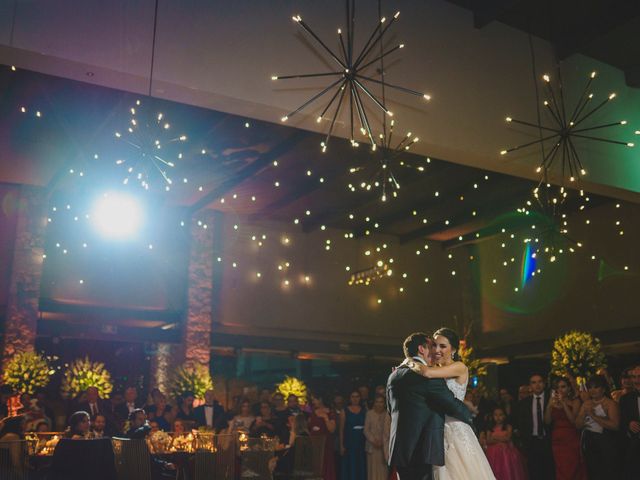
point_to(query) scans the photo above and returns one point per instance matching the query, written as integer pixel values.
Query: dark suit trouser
(539, 459)
(422, 472)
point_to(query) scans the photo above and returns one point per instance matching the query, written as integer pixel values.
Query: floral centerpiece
(189, 378)
(160, 442)
(26, 372)
(295, 386)
(82, 374)
(578, 355)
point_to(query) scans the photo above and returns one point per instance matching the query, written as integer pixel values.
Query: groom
(417, 406)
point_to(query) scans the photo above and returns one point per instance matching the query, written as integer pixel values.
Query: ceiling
(220, 55)
(64, 141)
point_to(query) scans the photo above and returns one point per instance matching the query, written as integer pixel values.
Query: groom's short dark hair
(413, 341)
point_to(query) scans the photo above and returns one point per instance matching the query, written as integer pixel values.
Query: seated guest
(298, 428)
(139, 428)
(178, 427)
(599, 417)
(94, 404)
(11, 432)
(265, 396)
(42, 426)
(130, 404)
(154, 426)
(185, 407)
(99, 427)
(160, 411)
(79, 425)
(243, 420)
(265, 423)
(630, 425)
(211, 414)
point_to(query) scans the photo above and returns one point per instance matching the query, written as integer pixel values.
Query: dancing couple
(431, 428)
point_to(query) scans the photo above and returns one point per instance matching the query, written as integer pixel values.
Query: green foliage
(578, 355)
(82, 374)
(292, 385)
(188, 378)
(26, 372)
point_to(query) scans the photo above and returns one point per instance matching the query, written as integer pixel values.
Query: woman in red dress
(322, 421)
(561, 413)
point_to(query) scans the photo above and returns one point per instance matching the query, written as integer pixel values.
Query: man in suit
(130, 404)
(534, 434)
(93, 404)
(417, 406)
(630, 425)
(211, 414)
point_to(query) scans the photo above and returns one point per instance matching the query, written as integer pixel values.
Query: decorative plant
(82, 374)
(188, 378)
(467, 356)
(27, 371)
(295, 386)
(578, 355)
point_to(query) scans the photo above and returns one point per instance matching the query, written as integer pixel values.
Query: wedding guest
(263, 396)
(281, 414)
(298, 428)
(506, 461)
(243, 420)
(533, 433)
(322, 422)
(630, 425)
(599, 416)
(130, 403)
(338, 409)
(352, 439)
(79, 426)
(293, 404)
(210, 415)
(42, 426)
(507, 403)
(626, 385)
(185, 408)
(160, 412)
(139, 428)
(99, 427)
(366, 402)
(93, 404)
(376, 422)
(178, 427)
(265, 423)
(11, 432)
(5, 394)
(560, 414)
(524, 391)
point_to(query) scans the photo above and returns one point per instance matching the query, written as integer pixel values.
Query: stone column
(26, 272)
(197, 328)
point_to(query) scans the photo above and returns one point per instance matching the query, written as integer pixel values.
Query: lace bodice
(458, 390)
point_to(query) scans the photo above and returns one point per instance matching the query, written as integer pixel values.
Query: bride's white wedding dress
(464, 459)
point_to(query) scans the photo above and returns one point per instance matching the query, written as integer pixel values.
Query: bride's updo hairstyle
(453, 338)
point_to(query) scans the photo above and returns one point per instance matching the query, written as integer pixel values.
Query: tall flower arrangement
(27, 371)
(292, 385)
(188, 378)
(578, 355)
(467, 356)
(82, 374)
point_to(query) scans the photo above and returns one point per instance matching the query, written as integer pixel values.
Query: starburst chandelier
(565, 129)
(151, 150)
(352, 85)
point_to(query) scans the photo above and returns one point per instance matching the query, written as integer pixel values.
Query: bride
(463, 457)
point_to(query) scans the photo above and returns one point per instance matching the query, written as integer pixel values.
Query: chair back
(308, 459)
(132, 459)
(215, 456)
(14, 460)
(82, 459)
(256, 457)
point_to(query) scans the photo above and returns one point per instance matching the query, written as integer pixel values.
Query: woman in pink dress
(506, 461)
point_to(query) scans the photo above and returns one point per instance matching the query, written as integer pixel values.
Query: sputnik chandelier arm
(351, 86)
(564, 132)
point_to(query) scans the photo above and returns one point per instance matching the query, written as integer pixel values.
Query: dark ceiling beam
(362, 200)
(495, 202)
(605, 20)
(254, 167)
(508, 222)
(488, 11)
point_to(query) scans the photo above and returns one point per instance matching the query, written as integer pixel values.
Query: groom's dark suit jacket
(417, 406)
